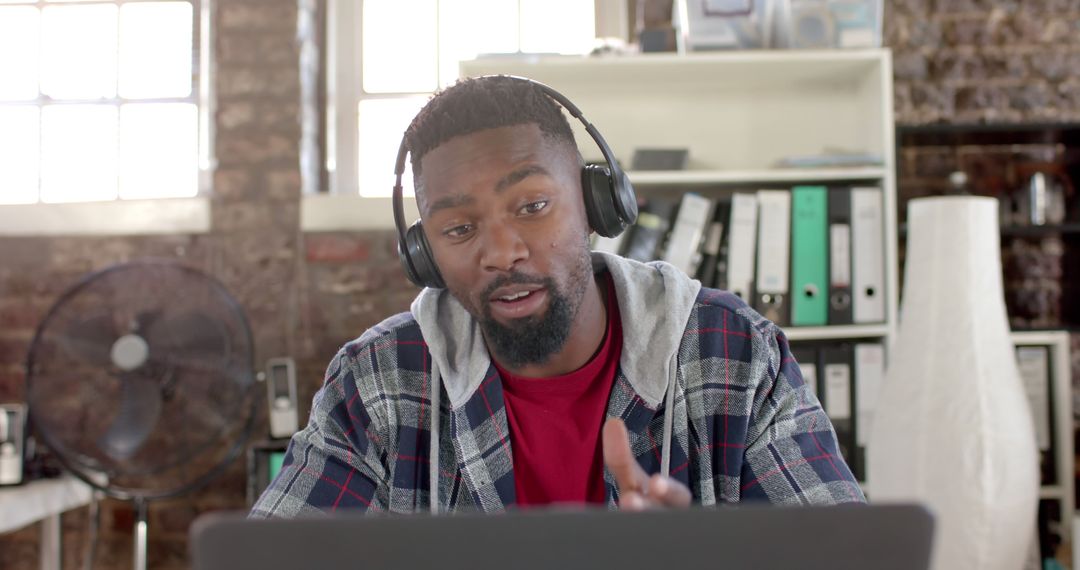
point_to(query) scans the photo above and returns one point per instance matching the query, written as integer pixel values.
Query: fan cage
(94, 478)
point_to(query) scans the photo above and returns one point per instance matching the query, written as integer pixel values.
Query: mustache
(517, 278)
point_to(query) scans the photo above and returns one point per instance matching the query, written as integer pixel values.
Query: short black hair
(481, 103)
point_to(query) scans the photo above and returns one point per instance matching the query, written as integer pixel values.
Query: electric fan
(140, 380)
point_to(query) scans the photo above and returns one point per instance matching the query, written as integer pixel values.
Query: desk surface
(25, 504)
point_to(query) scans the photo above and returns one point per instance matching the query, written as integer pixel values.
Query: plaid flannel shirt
(745, 427)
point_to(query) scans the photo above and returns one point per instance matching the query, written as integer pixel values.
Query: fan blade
(146, 319)
(188, 335)
(90, 340)
(140, 408)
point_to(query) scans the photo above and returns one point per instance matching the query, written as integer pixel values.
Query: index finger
(620, 460)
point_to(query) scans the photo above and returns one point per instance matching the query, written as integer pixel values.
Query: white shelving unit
(1060, 391)
(738, 114)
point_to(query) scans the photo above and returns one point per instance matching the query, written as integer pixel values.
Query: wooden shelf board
(780, 175)
(836, 332)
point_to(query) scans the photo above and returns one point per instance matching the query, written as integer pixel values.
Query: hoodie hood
(655, 301)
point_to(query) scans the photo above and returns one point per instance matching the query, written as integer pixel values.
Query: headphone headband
(399, 208)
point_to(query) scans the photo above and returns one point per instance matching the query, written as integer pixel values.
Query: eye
(458, 231)
(533, 207)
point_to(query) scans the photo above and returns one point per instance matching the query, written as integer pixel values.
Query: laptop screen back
(846, 537)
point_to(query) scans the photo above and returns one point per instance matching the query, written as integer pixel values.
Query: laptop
(855, 537)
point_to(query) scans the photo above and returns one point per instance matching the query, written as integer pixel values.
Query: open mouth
(518, 301)
(514, 297)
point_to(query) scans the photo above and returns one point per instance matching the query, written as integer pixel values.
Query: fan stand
(141, 507)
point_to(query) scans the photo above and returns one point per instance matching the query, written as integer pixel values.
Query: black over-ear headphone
(610, 203)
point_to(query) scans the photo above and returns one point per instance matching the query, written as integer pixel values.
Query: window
(99, 100)
(388, 56)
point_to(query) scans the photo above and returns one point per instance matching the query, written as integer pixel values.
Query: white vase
(953, 429)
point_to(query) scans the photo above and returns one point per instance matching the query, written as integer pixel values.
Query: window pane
(78, 153)
(19, 154)
(468, 28)
(382, 124)
(155, 49)
(79, 59)
(159, 156)
(19, 29)
(557, 26)
(399, 46)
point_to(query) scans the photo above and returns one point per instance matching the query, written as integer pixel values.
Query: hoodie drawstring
(433, 450)
(669, 420)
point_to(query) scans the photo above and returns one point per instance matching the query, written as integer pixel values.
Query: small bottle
(958, 182)
(1037, 199)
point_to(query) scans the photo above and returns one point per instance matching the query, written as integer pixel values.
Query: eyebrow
(457, 200)
(519, 175)
(452, 201)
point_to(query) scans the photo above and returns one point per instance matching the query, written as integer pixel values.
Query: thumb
(618, 458)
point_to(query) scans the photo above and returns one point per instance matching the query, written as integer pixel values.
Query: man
(543, 373)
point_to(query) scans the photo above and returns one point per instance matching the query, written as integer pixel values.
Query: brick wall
(965, 61)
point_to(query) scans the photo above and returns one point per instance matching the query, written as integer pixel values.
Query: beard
(536, 338)
(532, 339)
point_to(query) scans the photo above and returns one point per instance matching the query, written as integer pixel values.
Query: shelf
(36, 500)
(778, 175)
(1027, 231)
(1043, 333)
(746, 70)
(1049, 229)
(1045, 491)
(736, 113)
(836, 332)
(1051, 492)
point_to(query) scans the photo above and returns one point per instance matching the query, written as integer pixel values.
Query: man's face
(503, 213)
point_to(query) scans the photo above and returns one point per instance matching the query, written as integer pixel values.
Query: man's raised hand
(638, 491)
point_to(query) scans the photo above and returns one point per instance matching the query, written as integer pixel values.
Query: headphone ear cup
(599, 194)
(417, 259)
(406, 264)
(625, 198)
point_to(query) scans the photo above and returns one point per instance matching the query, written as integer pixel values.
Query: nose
(502, 247)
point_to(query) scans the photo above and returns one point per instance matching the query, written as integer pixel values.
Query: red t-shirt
(555, 425)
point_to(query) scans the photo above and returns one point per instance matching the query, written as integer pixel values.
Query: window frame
(119, 216)
(344, 86)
